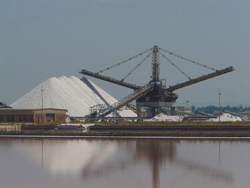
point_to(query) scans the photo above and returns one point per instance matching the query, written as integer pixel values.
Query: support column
(172, 110)
(155, 64)
(153, 111)
(139, 118)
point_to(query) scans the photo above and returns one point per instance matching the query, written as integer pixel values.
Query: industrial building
(32, 115)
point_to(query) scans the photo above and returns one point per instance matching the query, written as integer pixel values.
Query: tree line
(211, 109)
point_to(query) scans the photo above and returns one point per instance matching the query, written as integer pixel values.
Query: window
(16, 119)
(28, 118)
(5, 118)
(60, 119)
(50, 117)
(39, 118)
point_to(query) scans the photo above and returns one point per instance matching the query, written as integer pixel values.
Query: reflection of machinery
(154, 95)
(155, 152)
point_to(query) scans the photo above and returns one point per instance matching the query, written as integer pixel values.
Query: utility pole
(219, 103)
(42, 90)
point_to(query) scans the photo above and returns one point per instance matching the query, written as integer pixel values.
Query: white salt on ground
(225, 117)
(164, 117)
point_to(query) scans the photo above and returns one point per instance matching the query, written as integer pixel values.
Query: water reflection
(159, 152)
(96, 159)
(155, 153)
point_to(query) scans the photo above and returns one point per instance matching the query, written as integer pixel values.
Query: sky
(53, 38)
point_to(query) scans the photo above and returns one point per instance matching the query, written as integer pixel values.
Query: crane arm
(138, 93)
(201, 78)
(109, 79)
(116, 106)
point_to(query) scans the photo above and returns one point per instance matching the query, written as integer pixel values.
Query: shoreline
(140, 130)
(150, 134)
(121, 137)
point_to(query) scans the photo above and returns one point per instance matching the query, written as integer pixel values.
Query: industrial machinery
(155, 95)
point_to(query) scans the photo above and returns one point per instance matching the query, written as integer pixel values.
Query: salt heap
(73, 94)
(226, 117)
(164, 117)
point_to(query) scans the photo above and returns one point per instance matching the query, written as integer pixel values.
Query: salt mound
(225, 117)
(164, 117)
(73, 94)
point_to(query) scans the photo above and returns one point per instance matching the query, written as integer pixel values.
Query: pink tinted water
(123, 163)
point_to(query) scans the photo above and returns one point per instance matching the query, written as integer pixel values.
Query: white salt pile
(73, 94)
(225, 117)
(164, 117)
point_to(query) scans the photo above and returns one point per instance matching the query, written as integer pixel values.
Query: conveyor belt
(202, 78)
(109, 79)
(138, 93)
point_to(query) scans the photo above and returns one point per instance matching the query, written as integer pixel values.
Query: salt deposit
(225, 117)
(164, 117)
(71, 93)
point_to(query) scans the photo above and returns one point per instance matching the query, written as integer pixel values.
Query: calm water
(124, 163)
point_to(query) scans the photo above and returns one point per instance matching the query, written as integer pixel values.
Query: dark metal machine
(154, 95)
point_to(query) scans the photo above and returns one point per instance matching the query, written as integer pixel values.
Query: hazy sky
(53, 38)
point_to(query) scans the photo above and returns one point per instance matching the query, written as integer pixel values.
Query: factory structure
(57, 99)
(155, 97)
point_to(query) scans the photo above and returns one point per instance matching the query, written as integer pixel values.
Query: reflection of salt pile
(164, 117)
(67, 156)
(225, 117)
(73, 94)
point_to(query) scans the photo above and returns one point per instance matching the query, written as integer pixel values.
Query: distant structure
(32, 115)
(154, 96)
(9, 114)
(3, 105)
(184, 108)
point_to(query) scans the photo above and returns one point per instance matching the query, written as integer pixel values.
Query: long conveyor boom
(138, 93)
(109, 79)
(202, 78)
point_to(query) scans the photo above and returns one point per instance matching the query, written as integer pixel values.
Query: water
(124, 163)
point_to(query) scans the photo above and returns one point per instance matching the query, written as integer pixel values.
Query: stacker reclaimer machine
(155, 95)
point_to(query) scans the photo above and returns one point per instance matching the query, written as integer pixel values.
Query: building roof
(3, 105)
